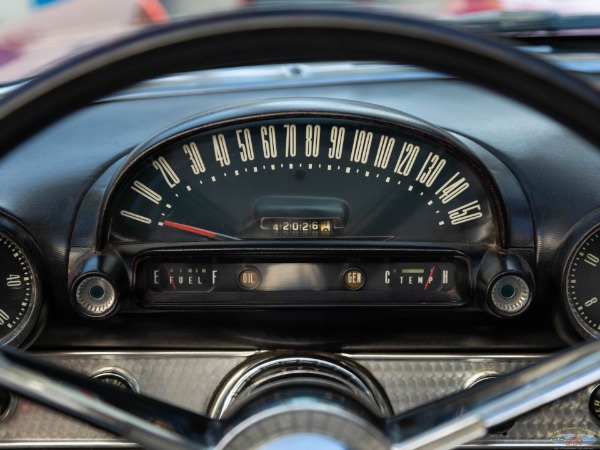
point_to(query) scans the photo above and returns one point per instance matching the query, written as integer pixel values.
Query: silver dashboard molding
(68, 444)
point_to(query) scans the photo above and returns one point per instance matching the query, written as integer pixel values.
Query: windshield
(35, 34)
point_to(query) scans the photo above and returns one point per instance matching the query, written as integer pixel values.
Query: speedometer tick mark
(367, 173)
(272, 166)
(309, 166)
(237, 173)
(410, 188)
(430, 202)
(441, 223)
(348, 169)
(189, 188)
(168, 205)
(213, 179)
(255, 169)
(291, 166)
(329, 167)
(387, 180)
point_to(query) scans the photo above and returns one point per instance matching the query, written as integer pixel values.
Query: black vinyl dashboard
(406, 220)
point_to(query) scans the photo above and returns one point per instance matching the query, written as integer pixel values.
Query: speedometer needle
(202, 232)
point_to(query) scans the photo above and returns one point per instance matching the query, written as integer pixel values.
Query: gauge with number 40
(19, 291)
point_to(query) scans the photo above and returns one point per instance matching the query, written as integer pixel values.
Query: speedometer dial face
(303, 176)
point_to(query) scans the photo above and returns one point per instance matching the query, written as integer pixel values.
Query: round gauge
(19, 293)
(582, 284)
(336, 171)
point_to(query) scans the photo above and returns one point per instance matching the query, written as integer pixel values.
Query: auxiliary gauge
(581, 284)
(20, 293)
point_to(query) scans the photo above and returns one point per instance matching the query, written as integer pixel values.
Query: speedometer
(316, 169)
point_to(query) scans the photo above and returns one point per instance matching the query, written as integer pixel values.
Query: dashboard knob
(99, 286)
(509, 295)
(117, 378)
(505, 284)
(95, 297)
(8, 403)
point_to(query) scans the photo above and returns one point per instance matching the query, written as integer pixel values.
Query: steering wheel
(278, 36)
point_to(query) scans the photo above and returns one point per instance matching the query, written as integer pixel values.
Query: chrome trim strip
(449, 356)
(43, 444)
(249, 353)
(151, 354)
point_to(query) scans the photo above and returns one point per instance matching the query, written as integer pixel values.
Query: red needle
(431, 272)
(180, 226)
(173, 285)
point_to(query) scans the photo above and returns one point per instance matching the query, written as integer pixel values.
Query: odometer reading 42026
(18, 304)
(583, 284)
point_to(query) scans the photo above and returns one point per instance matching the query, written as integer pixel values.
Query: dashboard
(171, 237)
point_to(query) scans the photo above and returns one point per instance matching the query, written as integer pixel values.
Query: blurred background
(34, 34)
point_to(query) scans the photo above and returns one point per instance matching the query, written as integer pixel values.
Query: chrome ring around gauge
(20, 286)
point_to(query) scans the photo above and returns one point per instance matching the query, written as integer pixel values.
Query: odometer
(316, 170)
